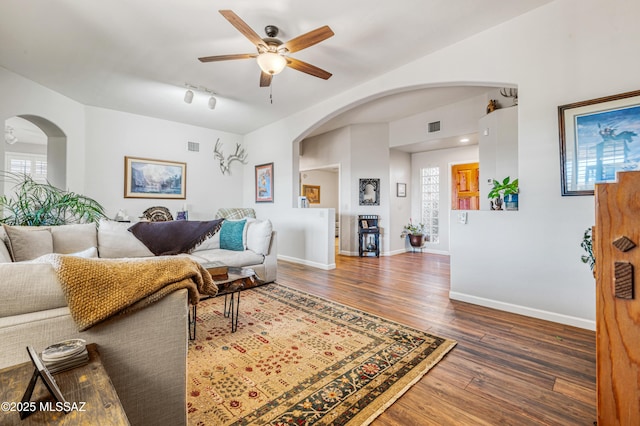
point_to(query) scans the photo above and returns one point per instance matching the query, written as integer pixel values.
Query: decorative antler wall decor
(225, 163)
(510, 93)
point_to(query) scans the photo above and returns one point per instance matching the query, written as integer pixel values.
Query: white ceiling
(137, 55)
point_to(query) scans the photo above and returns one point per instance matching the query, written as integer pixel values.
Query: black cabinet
(368, 235)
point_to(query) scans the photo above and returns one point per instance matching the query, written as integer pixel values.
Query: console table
(89, 384)
(368, 235)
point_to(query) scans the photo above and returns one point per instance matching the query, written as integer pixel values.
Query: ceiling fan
(271, 56)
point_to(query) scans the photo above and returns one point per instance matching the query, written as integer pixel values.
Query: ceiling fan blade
(242, 27)
(299, 65)
(308, 39)
(227, 57)
(265, 79)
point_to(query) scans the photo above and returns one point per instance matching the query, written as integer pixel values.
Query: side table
(238, 279)
(87, 389)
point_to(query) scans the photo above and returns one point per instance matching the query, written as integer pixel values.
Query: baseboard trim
(307, 262)
(524, 310)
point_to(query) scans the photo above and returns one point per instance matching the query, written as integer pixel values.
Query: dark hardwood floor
(506, 369)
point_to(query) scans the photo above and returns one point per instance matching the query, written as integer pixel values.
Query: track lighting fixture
(188, 96)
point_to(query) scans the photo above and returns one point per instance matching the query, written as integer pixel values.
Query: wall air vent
(434, 127)
(193, 146)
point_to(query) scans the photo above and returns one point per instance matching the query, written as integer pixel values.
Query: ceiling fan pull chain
(271, 93)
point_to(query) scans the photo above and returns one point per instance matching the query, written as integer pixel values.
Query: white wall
(442, 158)
(21, 96)
(566, 51)
(112, 135)
(456, 119)
(399, 207)
(329, 187)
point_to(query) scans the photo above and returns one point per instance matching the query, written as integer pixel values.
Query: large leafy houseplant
(42, 204)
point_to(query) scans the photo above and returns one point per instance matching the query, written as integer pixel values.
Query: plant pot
(511, 202)
(416, 240)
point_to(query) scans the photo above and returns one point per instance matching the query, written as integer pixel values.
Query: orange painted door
(465, 186)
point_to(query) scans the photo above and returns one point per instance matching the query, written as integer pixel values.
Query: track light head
(188, 96)
(212, 102)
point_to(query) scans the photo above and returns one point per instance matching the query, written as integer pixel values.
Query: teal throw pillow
(231, 234)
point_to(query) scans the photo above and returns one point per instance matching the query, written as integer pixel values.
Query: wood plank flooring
(506, 369)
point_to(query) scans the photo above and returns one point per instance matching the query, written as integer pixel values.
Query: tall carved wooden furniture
(616, 237)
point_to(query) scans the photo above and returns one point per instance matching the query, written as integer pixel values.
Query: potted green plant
(415, 232)
(587, 245)
(41, 204)
(507, 191)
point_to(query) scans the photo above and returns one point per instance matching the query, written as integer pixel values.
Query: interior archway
(32, 135)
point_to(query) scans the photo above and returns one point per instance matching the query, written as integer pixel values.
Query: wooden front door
(465, 193)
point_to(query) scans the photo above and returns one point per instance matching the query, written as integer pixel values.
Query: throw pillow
(74, 238)
(232, 235)
(5, 256)
(259, 235)
(115, 240)
(27, 244)
(209, 244)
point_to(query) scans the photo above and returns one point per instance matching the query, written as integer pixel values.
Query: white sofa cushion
(33, 287)
(74, 238)
(209, 244)
(28, 243)
(5, 256)
(229, 257)
(115, 240)
(258, 235)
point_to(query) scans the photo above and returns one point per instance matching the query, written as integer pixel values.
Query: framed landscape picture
(264, 183)
(146, 178)
(598, 138)
(312, 192)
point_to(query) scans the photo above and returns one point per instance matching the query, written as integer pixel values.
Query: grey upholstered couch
(144, 352)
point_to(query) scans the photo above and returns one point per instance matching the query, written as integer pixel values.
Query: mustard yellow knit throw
(97, 289)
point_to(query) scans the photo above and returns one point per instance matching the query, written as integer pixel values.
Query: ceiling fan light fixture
(271, 63)
(188, 96)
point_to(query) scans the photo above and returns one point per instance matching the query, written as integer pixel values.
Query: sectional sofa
(144, 352)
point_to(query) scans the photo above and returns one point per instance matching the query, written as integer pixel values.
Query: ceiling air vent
(193, 146)
(434, 127)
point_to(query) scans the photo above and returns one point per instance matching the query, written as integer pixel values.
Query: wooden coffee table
(230, 288)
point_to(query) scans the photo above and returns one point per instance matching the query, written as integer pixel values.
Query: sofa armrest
(271, 260)
(144, 353)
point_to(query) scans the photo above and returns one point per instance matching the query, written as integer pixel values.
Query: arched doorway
(36, 145)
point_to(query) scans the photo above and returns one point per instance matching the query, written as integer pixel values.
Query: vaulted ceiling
(137, 55)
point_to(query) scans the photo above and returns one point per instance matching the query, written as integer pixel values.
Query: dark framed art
(146, 178)
(264, 183)
(369, 192)
(598, 138)
(401, 189)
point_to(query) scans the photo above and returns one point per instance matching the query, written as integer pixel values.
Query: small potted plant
(506, 191)
(415, 232)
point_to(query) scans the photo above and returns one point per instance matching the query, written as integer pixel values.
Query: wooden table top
(88, 390)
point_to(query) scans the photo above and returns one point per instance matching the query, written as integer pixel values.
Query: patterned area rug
(300, 359)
